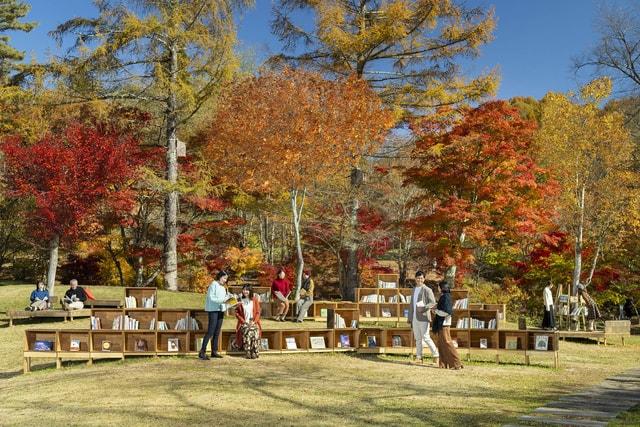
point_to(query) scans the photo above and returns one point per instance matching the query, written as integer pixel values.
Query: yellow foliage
(243, 260)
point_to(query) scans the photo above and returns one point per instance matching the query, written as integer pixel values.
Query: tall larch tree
(408, 51)
(171, 56)
(589, 151)
(287, 132)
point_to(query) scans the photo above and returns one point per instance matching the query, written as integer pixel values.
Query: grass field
(305, 389)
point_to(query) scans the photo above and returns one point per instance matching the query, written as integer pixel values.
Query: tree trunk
(351, 269)
(171, 198)
(140, 272)
(54, 244)
(115, 260)
(450, 276)
(577, 263)
(594, 264)
(297, 215)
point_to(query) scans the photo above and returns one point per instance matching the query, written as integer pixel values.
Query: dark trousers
(213, 331)
(548, 320)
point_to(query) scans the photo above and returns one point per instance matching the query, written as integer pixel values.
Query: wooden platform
(47, 314)
(612, 329)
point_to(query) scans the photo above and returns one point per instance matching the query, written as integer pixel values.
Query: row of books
(373, 298)
(400, 298)
(387, 285)
(470, 322)
(462, 303)
(147, 302)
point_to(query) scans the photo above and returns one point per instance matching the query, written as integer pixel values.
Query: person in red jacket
(248, 328)
(280, 289)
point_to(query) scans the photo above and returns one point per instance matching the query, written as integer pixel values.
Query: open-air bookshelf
(383, 305)
(123, 344)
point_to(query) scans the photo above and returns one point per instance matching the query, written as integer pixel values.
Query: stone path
(593, 407)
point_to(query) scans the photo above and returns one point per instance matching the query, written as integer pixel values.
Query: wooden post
(58, 362)
(26, 364)
(555, 359)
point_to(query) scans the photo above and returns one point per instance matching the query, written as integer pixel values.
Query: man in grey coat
(419, 317)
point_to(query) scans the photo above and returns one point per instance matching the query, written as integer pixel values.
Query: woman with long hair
(248, 328)
(448, 353)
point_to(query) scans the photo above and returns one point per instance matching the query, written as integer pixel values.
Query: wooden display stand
(391, 310)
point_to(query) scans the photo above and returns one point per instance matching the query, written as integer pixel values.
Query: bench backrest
(617, 327)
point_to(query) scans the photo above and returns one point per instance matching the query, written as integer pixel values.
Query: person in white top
(548, 320)
(419, 317)
(248, 327)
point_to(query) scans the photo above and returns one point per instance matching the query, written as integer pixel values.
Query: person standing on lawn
(422, 301)
(215, 307)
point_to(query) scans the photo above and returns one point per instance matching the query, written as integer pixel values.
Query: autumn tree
(589, 152)
(479, 181)
(285, 132)
(68, 175)
(408, 51)
(171, 56)
(616, 54)
(11, 13)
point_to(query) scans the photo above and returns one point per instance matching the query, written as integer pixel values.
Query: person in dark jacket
(39, 298)
(75, 296)
(444, 310)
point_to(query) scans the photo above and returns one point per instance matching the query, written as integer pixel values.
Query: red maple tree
(69, 174)
(480, 182)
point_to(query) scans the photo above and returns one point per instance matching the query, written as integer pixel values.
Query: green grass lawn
(304, 389)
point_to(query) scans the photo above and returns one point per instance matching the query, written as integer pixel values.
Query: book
(406, 312)
(317, 342)
(74, 345)
(173, 344)
(354, 323)
(344, 341)
(106, 345)
(140, 345)
(43, 345)
(264, 344)
(542, 342)
(291, 343)
(372, 341)
(323, 312)
(367, 313)
(386, 312)
(483, 343)
(455, 343)
(396, 341)
(511, 343)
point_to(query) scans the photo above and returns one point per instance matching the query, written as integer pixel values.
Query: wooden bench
(47, 314)
(612, 329)
(103, 303)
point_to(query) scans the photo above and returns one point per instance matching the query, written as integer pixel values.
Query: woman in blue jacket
(39, 298)
(215, 307)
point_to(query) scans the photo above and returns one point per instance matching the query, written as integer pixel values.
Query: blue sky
(534, 43)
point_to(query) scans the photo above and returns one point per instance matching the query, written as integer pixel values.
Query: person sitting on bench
(75, 296)
(39, 298)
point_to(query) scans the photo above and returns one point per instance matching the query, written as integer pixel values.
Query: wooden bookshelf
(172, 316)
(348, 314)
(106, 316)
(338, 339)
(132, 339)
(388, 278)
(143, 315)
(387, 340)
(163, 338)
(116, 348)
(139, 293)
